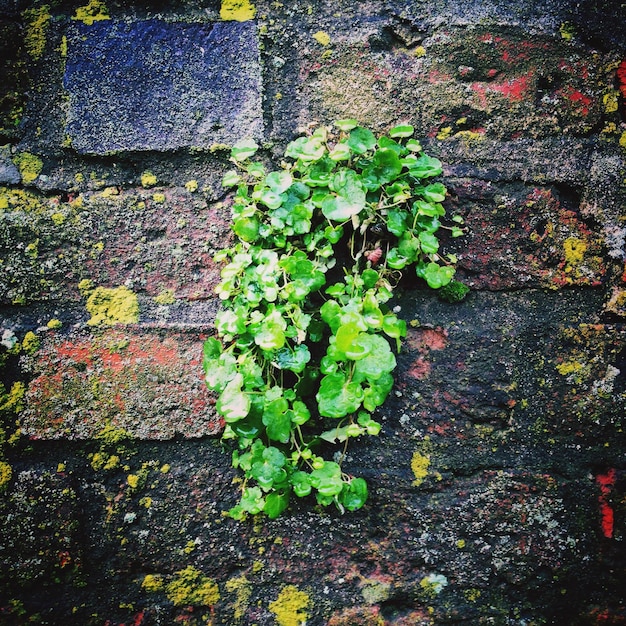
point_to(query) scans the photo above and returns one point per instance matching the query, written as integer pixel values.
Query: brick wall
(498, 483)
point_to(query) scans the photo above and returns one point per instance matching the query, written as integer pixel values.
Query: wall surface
(498, 482)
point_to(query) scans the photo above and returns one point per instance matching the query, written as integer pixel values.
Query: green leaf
(244, 149)
(346, 125)
(385, 167)
(375, 394)
(277, 419)
(233, 404)
(354, 494)
(279, 181)
(271, 199)
(385, 142)
(435, 275)
(414, 145)
(230, 179)
(422, 207)
(271, 333)
(294, 359)
(428, 242)
(402, 130)
(425, 167)
(327, 479)
(220, 371)
(337, 396)
(435, 192)
(306, 149)
(275, 503)
(252, 500)
(339, 209)
(301, 484)
(247, 228)
(341, 152)
(393, 326)
(396, 221)
(361, 140)
(269, 469)
(300, 413)
(379, 358)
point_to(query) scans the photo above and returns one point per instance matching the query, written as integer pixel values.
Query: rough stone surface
(498, 482)
(156, 85)
(146, 385)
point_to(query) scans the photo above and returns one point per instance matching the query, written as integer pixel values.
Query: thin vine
(305, 344)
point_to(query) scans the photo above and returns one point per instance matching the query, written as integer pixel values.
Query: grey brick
(155, 85)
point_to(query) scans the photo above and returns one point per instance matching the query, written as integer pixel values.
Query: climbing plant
(305, 343)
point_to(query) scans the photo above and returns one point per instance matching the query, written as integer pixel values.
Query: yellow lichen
(241, 586)
(159, 198)
(13, 402)
(152, 583)
(133, 481)
(165, 297)
(569, 367)
(291, 606)
(54, 324)
(95, 11)
(192, 587)
(444, 132)
(419, 464)
(237, 10)
(30, 344)
(191, 186)
(165, 468)
(29, 165)
(6, 473)
(322, 37)
(37, 21)
(567, 31)
(611, 101)
(574, 250)
(85, 286)
(375, 591)
(148, 179)
(622, 140)
(472, 594)
(419, 52)
(58, 218)
(112, 306)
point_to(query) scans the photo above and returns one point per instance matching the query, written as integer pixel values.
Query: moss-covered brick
(147, 384)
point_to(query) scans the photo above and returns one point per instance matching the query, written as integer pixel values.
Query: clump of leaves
(305, 345)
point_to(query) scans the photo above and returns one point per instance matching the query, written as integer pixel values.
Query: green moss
(112, 306)
(454, 291)
(37, 21)
(291, 606)
(29, 165)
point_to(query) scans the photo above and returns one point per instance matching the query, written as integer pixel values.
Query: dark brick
(156, 85)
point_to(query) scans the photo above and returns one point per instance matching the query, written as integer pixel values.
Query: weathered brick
(156, 85)
(144, 382)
